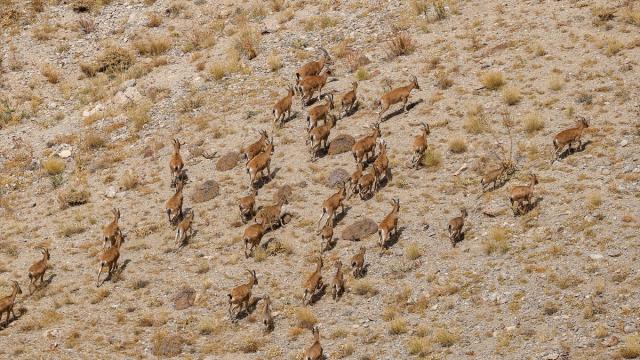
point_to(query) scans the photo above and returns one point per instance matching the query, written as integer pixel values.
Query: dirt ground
(92, 92)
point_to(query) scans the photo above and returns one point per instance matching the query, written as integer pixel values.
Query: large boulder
(359, 230)
(228, 161)
(205, 191)
(341, 144)
(336, 177)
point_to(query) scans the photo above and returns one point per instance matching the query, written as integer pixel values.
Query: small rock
(96, 109)
(341, 144)
(624, 142)
(205, 191)
(614, 253)
(65, 153)
(552, 356)
(611, 341)
(606, 171)
(629, 328)
(111, 192)
(336, 177)
(184, 298)
(228, 161)
(596, 256)
(359, 230)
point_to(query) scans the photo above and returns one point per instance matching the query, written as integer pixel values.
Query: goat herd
(311, 78)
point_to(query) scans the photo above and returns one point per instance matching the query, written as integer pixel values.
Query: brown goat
(568, 137)
(367, 184)
(381, 164)
(184, 229)
(349, 99)
(314, 67)
(354, 179)
(337, 283)
(319, 135)
(326, 237)
(365, 147)
(252, 236)
(271, 215)
(109, 258)
(240, 296)
(357, 262)
(112, 229)
(267, 317)
(319, 112)
(455, 227)
(312, 84)
(7, 302)
(314, 352)
(38, 269)
(400, 94)
(313, 283)
(522, 194)
(332, 204)
(260, 163)
(255, 148)
(247, 204)
(176, 164)
(389, 225)
(282, 107)
(420, 145)
(173, 206)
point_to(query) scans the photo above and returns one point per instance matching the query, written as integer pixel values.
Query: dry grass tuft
(166, 345)
(364, 287)
(432, 158)
(419, 346)
(274, 61)
(129, 180)
(492, 80)
(445, 338)
(53, 165)
(612, 46)
(631, 347)
(401, 44)
(533, 122)
(86, 25)
(556, 82)
(247, 42)
(305, 318)
(457, 145)
(497, 242)
(398, 326)
(594, 200)
(112, 60)
(73, 195)
(511, 95)
(152, 45)
(475, 122)
(50, 73)
(413, 251)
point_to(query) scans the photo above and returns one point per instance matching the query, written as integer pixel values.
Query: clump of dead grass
(152, 45)
(457, 145)
(533, 122)
(497, 241)
(53, 165)
(305, 318)
(51, 73)
(401, 44)
(492, 80)
(511, 95)
(247, 42)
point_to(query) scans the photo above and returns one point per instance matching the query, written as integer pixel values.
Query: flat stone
(596, 256)
(360, 230)
(341, 144)
(205, 191)
(184, 298)
(228, 161)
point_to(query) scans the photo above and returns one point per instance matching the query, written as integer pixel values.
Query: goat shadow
(118, 271)
(187, 239)
(288, 119)
(264, 180)
(392, 240)
(354, 109)
(527, 208)
(401, 110)
(458, 239)
(318, 294)
(365, 271)
(570, 151)
(251, 307)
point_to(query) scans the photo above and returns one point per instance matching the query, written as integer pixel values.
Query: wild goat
(38, 269)
(354, 179)
(367, 184)
(173, 206)
(314, 352)
(332, 204)
(568, 137)
(349, 99)
(240, 296)
(267, 317)
(366, 146)
(326, 237)
(420, 145)
(259, 163)
(271, 215)
(7, 302)
(314, 67)
(311, 84)
(112, 229)
(176, 164)
(400, 94)
(110, 257)
(381, 164)
(247, 204)
(184, 229)
(319, 112)
(389, 225)
(520, 194)
(337, 283)
(252, 236)
(455, 227)
(318, 136)
(313, 283)
(357, 262)
(282, 107)
(502, 173)
(257, 147)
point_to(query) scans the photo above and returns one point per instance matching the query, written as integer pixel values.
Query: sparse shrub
(364, 287)
(439, 7)
(420, 7)
(153, 45)
(594, 200)
(556, 82)
(274, 61)
(443, 80)
(73, 195)
(511, 95)
(247, 41)
(53, 165)
(166, 345)
(86, 25)
(613, 46)
(50, 73)
(497, 241)
(277, 5)
(445, 338)
(362, 74)
(631, 347)
(550, 308)
(306, 318)
(139, 115)
(398, 326)
(401, 44)
(631, 15)
(413, 251)
(432, 158)
(129, 180)
(533, 122)
(419, 346)
(492, 80)
(457, 145)
(154, 20)
(68, 230)
(112, 60)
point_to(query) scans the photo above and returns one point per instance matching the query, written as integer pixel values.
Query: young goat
(397, 95)
(240, 295)
(381, 164)
(520, 194)
(319, 112)
(312, 84)
(496, 176)
(420, 145)
(355, 178)
(112, 229)
(267, 317)
(389, 225)
(38, 269)
(314, 67)
(259, 163)
(255, 148)
(247, 204)
(326, 237)
(337, 283)
(110, 257)
(173, 206)
(349, 99)
(252, 236)
(270, 216)
(184, 229)
(313, 283)
(176, 164)
(7, 302)
(314, 352)
(320, 135)
(282, 107)
(332, 204)
(366, 146)
(455, 227)
(568, 137)
(367, 184)
(357, 262)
